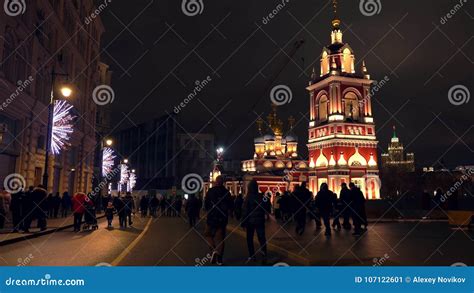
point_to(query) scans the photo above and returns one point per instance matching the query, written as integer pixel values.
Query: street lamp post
(66, 92)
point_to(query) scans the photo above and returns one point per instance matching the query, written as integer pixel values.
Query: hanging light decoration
(124, 174)
(108, 159)
(62, 126)
(132, 181)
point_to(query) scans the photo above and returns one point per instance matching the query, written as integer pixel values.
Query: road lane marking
(129, 248)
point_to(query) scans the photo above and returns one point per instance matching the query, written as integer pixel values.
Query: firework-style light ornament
(124, 174)
(132, 181)
(62, 126)
(108, 159)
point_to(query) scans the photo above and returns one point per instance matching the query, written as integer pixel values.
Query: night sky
(157, 53)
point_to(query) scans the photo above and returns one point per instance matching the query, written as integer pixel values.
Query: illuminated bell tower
(342, 143)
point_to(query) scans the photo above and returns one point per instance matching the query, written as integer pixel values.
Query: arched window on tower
(348, 61)
(323, 108)
(351, 106)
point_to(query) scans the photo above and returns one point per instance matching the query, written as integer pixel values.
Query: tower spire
(335, 22)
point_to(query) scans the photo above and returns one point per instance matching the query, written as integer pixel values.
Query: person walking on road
(192, 210)
(120, 207)
(109, 213)
(154, 204)
(144, 206)
(358, 207)
(16, 207)
(254, 220)
(129, 207)
(324, 201)
(238, 202)
(78, 209)
(65, 204)
(302, 198)
(345, 199)
(218, 203)
(40, 206)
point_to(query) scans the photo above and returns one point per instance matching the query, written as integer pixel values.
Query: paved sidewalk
(53, 225)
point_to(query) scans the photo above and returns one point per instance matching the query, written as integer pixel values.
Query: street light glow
(66, 91)
(109, 142)
(125, 161)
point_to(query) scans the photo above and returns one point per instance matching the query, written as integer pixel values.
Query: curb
(38, 234)
(275, 248)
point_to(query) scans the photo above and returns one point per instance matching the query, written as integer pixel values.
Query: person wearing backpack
(218, 203)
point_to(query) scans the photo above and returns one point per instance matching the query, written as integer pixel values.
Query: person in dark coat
(109, 213)
(302, 199)
(218, 203)
(50, 205)
(178, 204)
(65, 204)
(56, 201)
(154, 203)
(16, 208)
(345, 200)
(336, 224)
(144, 206)
(40, 207)
(324, 201)
(119, 205)
(267, 205)
(254, 220)
(162, 206)
(358, 207)
(129, 207)
(27, 208)
(192, 209)
(239, 201)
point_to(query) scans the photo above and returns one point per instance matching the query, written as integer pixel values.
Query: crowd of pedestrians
(253, 209)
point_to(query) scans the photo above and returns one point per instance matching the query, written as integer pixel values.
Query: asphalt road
(162, 241)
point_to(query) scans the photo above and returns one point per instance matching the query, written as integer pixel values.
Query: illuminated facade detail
(396, 157)
(341, 125)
